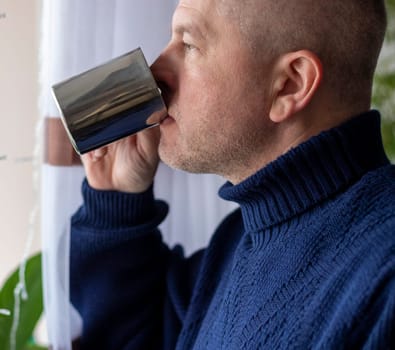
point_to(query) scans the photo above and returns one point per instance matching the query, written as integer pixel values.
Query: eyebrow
(190, 29)
(190, 26)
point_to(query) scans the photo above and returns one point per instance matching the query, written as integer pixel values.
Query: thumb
(148, 142)
(95, 155)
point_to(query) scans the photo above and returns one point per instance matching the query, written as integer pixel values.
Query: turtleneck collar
(310, 173)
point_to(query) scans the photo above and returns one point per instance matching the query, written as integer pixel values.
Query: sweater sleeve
(374, 328)
(381, 315)
(118, 272)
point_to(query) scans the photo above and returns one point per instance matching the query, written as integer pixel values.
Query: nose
(164, 70)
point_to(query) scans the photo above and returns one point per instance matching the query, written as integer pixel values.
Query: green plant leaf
(30, 309)
(34, 347)
(384, 85)
(388, 131)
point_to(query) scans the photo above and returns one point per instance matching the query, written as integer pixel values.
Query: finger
(149, 141)
(95, 155)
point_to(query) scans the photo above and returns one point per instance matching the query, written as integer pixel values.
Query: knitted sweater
(307, 262)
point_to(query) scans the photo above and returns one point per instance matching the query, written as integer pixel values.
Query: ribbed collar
(310, 173)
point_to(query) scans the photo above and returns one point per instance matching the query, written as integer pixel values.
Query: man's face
(216, 96)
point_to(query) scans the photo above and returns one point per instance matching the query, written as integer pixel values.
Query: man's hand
(128, 165)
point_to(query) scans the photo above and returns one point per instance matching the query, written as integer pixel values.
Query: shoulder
(366, 237)
(380, 183)
(374, 216)
(372, 233)
(372, 200)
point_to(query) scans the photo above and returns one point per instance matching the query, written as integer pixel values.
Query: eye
(188, 47)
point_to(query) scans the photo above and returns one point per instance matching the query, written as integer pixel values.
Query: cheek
(211, 97)
(197, 98)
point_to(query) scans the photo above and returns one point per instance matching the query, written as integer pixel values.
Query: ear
(297, 78)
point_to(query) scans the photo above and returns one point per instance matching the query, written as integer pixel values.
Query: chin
(187, 164)
(171, 158)
(166, 154)
(179, 156)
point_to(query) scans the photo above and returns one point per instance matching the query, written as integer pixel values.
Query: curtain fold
(76, 36)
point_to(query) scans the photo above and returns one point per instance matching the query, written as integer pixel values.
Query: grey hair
(347, 35)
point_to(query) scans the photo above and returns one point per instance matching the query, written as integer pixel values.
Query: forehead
(220, 7)
(207, 14)
(195, 15)
(197, 4)
(197, 8)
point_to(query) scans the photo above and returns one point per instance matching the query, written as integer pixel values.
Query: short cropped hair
(347, 35)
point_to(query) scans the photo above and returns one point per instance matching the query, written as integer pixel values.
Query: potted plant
(19, 317)
(384, 84)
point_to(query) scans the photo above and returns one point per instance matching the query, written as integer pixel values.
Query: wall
(19, 37)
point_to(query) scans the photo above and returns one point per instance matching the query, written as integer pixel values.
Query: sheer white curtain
(77, 35)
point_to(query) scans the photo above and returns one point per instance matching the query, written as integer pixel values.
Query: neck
(292, 132)
(310, 173)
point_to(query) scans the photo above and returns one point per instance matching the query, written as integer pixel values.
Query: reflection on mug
(109, 102)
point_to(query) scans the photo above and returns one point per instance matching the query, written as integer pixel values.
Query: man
(275, 97)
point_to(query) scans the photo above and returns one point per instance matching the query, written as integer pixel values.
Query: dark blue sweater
(307, 262)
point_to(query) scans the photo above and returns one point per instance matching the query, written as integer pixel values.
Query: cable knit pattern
(307, 262)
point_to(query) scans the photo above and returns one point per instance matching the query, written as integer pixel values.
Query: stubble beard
(189, 153)
(212, 151)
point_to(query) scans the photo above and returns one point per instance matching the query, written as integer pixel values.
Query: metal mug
(109, 102)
